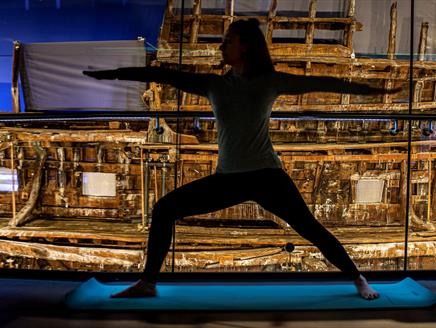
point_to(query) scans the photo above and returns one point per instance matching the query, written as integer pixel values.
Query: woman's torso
(242, 107)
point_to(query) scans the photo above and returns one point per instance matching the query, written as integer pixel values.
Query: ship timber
(50, 222)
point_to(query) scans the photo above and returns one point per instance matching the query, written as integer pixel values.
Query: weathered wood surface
(25, 213)
(190, 237)
(108, 136)
(393, 32)
(305, 58)
(201, 259)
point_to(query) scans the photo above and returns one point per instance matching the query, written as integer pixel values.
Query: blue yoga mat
(93, 295)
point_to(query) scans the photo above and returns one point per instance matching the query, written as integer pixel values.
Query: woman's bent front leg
(202, 196)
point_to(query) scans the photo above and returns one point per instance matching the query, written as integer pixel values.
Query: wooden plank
(96, 256)
(35, 232)
(281, 105)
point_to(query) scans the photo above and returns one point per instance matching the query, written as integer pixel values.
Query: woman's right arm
(196, 83)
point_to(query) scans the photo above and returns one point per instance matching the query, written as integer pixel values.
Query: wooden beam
(270, 21)
(288, 106)
(429, 189)
(195, 24)
(349, 29)
(86, 255)
(423, 41)
(230, 7)
(229, 14)
(13, 183)
(15, 74)
(25, 214)
(393, 32)
(165, 30)
(310, 29)
(351, 8)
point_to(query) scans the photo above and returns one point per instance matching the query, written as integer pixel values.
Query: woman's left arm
(296, 84)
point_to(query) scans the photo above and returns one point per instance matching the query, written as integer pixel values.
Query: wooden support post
(13, 183)
(170, 7)
(349, 30)
(195, 25)
(351, 8)
(433, 192)
(15, 73)
(423, 41)
(142, 191)
(165, 30)
(147, 219)
(430, 163)
(389, 84)
(310, 28)
(403, 190)
(387, 98)
(230, 7)
(302, 98)
(393, 32)
(345, 97)
(417, 94)
(25, 214)
(434, 91)
(270, 21)
(230, 10)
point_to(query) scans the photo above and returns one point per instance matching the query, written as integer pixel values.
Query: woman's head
(244, 44)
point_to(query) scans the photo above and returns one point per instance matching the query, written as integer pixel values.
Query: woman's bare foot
(365, 289)
(138, 289)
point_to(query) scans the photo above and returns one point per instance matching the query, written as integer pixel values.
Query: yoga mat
(93, 295)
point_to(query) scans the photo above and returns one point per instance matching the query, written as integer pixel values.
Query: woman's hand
(102, 75)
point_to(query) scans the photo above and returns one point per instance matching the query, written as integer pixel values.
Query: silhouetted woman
(248, 168)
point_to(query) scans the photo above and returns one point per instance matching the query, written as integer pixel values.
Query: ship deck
(88, 244)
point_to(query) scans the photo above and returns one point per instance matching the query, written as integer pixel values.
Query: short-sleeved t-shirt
(242, 107)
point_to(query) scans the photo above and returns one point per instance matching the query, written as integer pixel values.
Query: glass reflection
(90, 187)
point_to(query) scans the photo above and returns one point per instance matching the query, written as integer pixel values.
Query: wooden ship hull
(351, 173)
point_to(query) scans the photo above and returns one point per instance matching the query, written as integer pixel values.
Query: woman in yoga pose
(248, 168)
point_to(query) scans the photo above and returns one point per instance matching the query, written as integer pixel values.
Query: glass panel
(331, 167)
(385, 35)
(77, 192)
(422, 231)
(424, 57)
(352, 173)
(422, 213)
(331, 162)
(33, 21)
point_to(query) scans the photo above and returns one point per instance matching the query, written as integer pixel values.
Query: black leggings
(272, 189)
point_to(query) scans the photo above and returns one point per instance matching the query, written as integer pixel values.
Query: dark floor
(28, 302)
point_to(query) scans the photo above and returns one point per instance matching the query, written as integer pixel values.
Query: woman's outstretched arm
(189, 82)
(296, 84)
